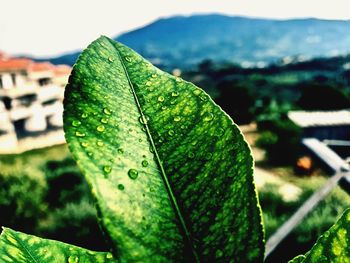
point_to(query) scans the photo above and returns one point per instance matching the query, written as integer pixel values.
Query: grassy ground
(280, 193)
(277, 209)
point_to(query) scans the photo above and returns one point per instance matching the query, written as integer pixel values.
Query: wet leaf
(333, 245)
(195, 199)
(16, 247)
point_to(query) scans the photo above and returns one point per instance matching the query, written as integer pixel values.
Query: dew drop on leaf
(73, 259)
(107, 111)
(191, 155)
(107, 169)
(120, 150)
(133, 174)
(177, 118)
(128, 59)
(100, 128)
(104, 120)
(144, 163)
(154, 75)
(196, 92)
(110, 59)
(174, 94)
(121, 187)
(209, 117)
(84, 144)
(99, 143)
(109, 255)
(160, 98)
(76, 123)
(143, 119)
(171, 133)
(79, 134)
(84, 115)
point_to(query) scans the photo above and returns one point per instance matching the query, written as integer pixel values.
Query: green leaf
(16, 247)
(171, 172)
(334, 244)
(297, 259)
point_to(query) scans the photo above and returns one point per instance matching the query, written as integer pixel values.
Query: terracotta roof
(40, 66)
(15, 64)
(320, 118)
(62, 70)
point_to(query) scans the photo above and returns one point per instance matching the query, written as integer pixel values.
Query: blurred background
(280, 69)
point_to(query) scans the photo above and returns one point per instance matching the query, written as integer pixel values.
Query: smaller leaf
(297, 259)
(19, 247)
(333, 245)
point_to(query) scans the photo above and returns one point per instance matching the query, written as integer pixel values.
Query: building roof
(25, 64)
(15, 64)
(320, 118)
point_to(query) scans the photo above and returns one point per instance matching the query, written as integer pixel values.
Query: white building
(31, 96)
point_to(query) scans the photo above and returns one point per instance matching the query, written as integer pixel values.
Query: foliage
(315, 96)
(171, 173)
(156, 143)
(237, 101)
(280, 139)
(21, 248)
(333, 245)
(21, 199)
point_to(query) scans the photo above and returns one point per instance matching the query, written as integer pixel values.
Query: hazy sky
(46, 27)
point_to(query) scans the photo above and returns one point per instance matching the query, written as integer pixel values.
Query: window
(13, 78)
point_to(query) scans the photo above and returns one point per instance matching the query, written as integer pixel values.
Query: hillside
(183, 41)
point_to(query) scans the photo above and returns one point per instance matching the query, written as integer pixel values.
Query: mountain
(186, 40)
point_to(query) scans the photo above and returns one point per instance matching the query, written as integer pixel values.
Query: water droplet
(209, 117)
(140, 140)
(80, 134)
(144, 163)
(220, 132)
(76, 123)
(194, 143)
(84, 144)
(104, 120)
(132, 173)
(171, 133)
(172, 102)
(143, 119)
(177, 118)
(164, 107)
(178, 80)
(89, 153)
(109, 254)
(203, 98)
(84, 115)
(190, 155)
(208, 156)
(73, 259)
(197, 92)
(107, 111)
(183, 127)
(128, 59)
(151, 149)
(99, 143)
(160, 98)
(107, 169)
(110, 59)
(100, 128)
(148, 83)
(174, 94)
(120, 150)
(121, 187)
(154, 75)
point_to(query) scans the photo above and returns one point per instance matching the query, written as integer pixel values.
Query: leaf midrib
(163, 174)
